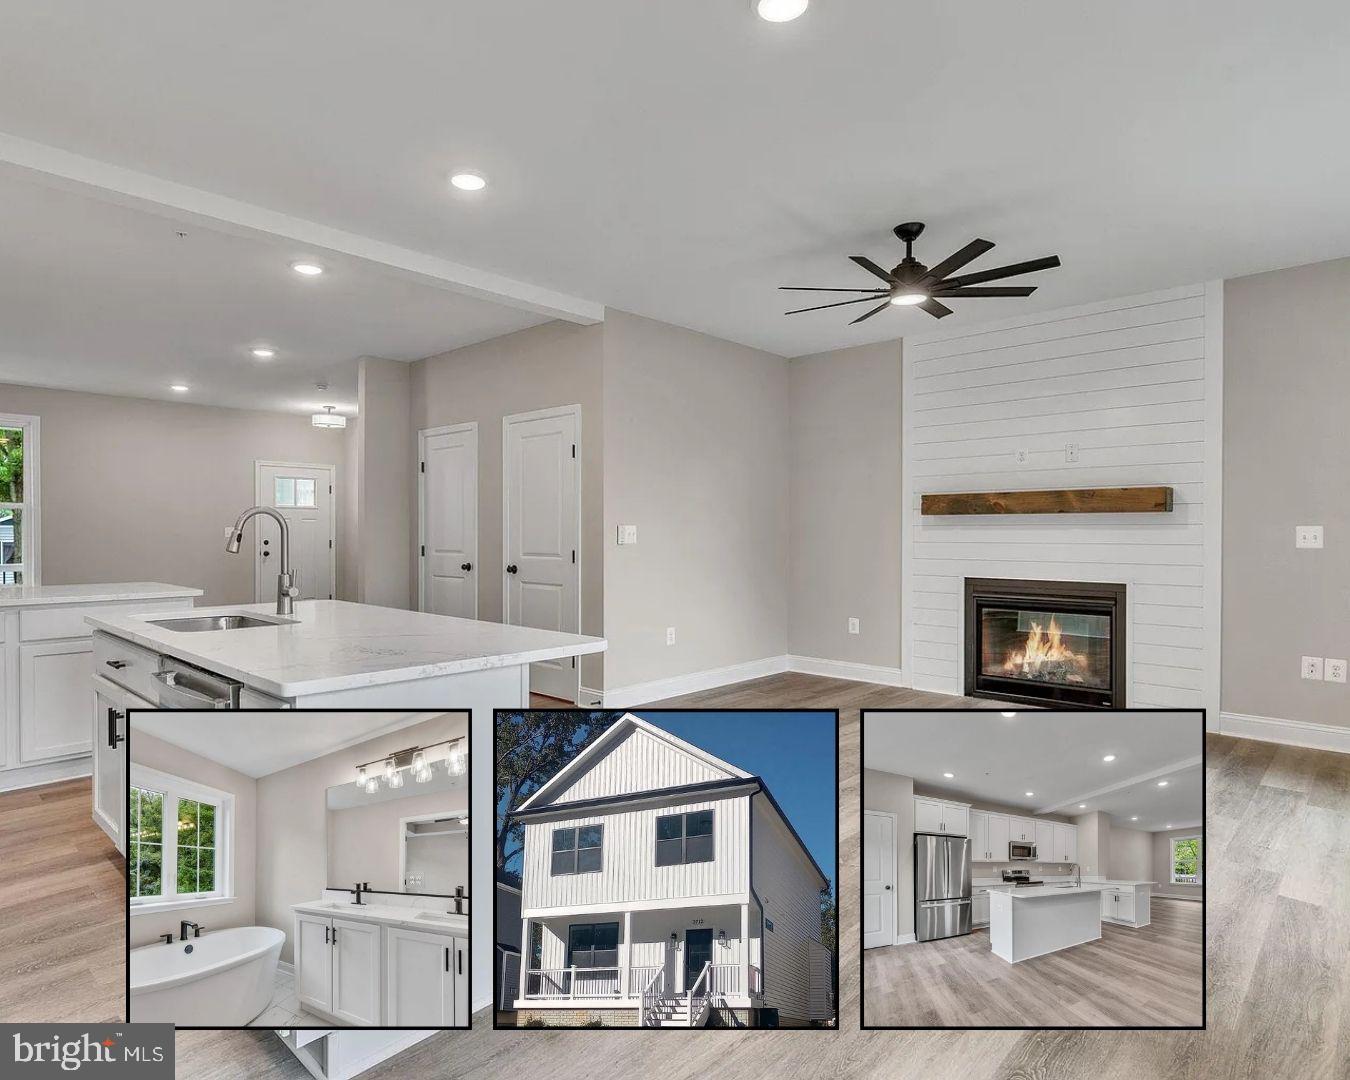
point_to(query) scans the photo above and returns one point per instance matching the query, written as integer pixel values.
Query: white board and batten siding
(1137, 384)
(629, 876)
(789, 888)
(637, 762)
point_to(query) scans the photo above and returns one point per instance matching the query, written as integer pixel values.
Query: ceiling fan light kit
(912, 284)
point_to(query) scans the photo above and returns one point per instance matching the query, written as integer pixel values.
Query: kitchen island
(330, 654)
(1028, 922)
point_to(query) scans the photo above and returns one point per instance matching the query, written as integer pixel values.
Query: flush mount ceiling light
(468, 181)
(262, 352)
(328, 418)
(179, 388)
(307, 269)
(1109, 758)
(780, 10)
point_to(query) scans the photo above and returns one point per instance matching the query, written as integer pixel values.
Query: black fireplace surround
(1049, 643)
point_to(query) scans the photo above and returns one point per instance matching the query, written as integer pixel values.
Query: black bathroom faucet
(361, 886)
(183, 928)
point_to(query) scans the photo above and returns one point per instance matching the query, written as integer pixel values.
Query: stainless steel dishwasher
(179, 685)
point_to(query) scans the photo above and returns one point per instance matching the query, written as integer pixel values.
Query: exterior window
(19, 545)
(1186, 861)
(593, 945)
(578, 851)
(178, 841)
(684, 838)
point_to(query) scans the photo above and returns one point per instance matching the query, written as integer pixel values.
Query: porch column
(626, 956)
(745, 945)
(524, 957)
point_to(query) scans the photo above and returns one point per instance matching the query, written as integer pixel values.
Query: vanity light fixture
(389, 769)
(361, 776)
(328, 418)
(455, 763)
(417, 760)
(372, 785)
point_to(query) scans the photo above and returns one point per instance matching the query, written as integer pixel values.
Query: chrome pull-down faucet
(287, 589)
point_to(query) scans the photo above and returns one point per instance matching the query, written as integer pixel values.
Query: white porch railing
(724, 979)
(572, 982)
(641, 975)
(651, 993)
(697, 1000)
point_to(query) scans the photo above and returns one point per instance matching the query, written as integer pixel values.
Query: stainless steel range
(1020, 878)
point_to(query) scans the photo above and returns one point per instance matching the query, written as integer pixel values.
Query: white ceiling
(258, 744)
(98, 297)
(1058, 756)
(680, 160)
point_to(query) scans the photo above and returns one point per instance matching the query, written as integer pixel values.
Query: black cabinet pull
(116, 665)
(512, 568)
(113, 737)
(325, 935)
(460, 954)
(466, 566)
(447, 958)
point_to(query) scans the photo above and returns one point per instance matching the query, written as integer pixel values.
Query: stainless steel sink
(201, 623)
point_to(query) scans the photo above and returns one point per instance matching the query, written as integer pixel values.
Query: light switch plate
(628, 534)
(1312, 667)
(1307, 536)
(853, 626)
(670, 636)
(1335, 670)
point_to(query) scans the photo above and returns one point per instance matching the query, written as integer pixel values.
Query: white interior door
(878, 871)
(303, 494)
(541, 534)
(448, 482)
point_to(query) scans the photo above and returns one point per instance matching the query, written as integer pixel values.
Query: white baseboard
(905, 939)
(588, 697)
(625, 697)
(1290, 732)
(285, 968)
(847, 669)
(47, 773)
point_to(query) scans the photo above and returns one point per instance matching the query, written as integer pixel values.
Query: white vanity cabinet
(941, 816)
(337, 968)
(427, 983)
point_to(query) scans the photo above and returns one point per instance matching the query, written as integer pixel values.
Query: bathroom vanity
(46, 659)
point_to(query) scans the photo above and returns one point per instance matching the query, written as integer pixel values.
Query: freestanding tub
(223, 979)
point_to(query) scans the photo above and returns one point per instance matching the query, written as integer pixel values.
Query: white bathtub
(226, 979)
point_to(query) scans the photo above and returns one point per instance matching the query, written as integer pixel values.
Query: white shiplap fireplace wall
(1137, 383)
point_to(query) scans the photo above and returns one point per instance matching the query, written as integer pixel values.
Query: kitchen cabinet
(1020, 828)
(990, 832)
(426, 980)
(940, 816)
(1066, 843)
(53, 691)
(988, 836)
(1045, 841)
(1128, 904)
(337, 965)
(979, 906)
(999, 834)
(111, 704)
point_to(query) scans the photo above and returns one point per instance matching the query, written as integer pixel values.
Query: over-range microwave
(1021, 850)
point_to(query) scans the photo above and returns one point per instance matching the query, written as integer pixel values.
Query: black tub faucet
(183, 928)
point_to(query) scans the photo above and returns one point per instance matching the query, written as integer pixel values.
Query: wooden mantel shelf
(1126, 500)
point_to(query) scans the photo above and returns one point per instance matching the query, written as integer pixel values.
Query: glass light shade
(423, 774)
(396, 781)
(456, 762)
(372, 785)
(328, 419)
(361, 776)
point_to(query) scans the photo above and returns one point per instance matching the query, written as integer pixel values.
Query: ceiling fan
(911, 284)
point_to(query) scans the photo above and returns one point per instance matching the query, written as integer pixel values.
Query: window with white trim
(1187, 865)
(19, 547)
(179, 841)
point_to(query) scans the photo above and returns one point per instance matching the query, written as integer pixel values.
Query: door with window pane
(303, 495)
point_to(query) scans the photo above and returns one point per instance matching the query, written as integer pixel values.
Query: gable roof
(698, 764)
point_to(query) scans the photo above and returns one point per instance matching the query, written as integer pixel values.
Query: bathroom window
(19, 546)
(684, 838)
(578, 851)
(178, 842)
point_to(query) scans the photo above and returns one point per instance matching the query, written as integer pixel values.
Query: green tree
(829, 920)
(11, 465)
(1186, 857)
(530, 748)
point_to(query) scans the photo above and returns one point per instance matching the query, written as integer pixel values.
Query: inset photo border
(1018, 866)
(666, 869)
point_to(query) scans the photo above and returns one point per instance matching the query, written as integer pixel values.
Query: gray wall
(539, 368)
(1162, 866)
(137, 490)
(845, 504)
(1094, 843)
(895, 795)
(1131, 855)
(696, 455)
(1286, 459)
(385, 483)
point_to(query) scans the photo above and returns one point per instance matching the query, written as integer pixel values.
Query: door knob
(888, 888)
(466, 566)
(512, 568)
(266, 553)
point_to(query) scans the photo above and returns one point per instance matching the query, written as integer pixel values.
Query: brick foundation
(576, 1017)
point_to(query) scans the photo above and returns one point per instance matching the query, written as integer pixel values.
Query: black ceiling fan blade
(872, 268)
(988, 290)
(1011, 270)
(868, 314)
(934, 308)
(813, 288)
(838, 303)
(954, 262)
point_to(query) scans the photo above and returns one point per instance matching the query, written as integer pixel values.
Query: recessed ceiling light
(308, 269)
(780, 10)
(263, 353)
(1134, 819)
(1008, 715)
(908, 299)
(1030, 794)
(949, 775)
(1162, 783)
(1169, 824)
(178, 388)
(1082, 806)
(468, 181)
(1109, 757)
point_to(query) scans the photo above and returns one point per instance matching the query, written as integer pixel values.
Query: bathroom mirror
(402, 824)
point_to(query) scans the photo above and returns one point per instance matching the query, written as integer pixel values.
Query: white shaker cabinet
(1045, 841)
(337, 968)
(109, 756)
(53, 696)
(940, 816)
(426, 979)
(1066, 843)
(998, 837)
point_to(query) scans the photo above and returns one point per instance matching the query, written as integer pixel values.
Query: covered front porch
(667, 963)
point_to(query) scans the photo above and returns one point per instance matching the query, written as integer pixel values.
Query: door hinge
(330, 545)
(424, 551)
(574, 555)
(574, 449)
(574, 661)
(330, 489)
(424, 466)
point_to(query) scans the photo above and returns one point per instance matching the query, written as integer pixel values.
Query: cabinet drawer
(127, 665)
(47, 623)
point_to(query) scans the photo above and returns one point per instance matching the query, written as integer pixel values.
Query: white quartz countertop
(1058, 879)
(112, 592)
(388, 915)
(330, 645)
(1040, 892)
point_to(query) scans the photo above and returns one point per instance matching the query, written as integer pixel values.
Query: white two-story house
(662, 886)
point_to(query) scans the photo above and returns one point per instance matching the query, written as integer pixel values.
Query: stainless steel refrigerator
(941, 886)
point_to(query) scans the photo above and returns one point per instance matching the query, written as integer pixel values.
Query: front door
(697, 952)
(449, 516)
(878, 871)
(303, 495)
(541, 523)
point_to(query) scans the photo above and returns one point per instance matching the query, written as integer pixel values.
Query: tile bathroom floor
(285, 1010)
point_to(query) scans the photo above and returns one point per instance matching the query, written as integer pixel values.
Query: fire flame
(1042, 647)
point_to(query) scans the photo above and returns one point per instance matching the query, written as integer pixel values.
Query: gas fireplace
(1046, 642)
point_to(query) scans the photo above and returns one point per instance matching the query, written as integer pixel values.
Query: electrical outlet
(1307, 536)
(1020, 455)
(1071, 452)
(853, 627)
(670, 637)
(1335, 670)
(1312, 667)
